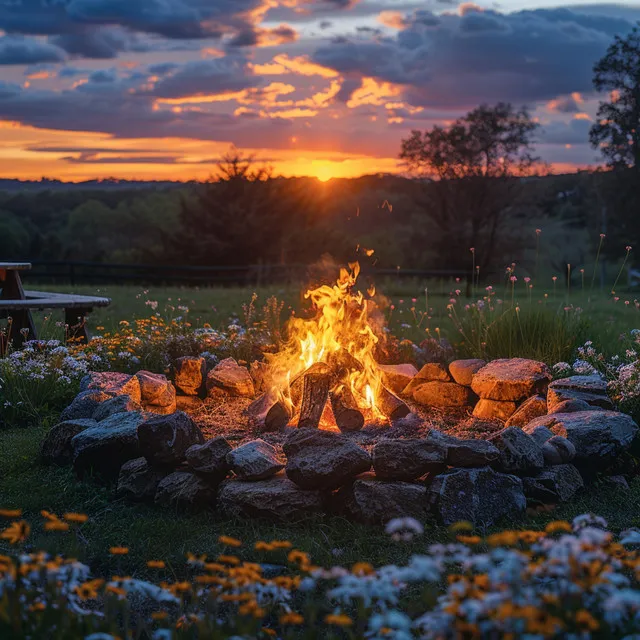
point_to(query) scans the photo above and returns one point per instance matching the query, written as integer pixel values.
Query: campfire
(326, 374)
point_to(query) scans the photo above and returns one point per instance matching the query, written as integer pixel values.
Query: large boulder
(408, 459)
(138, 481)
(555, 484)
(84, 405)
(276, 499)
(466, 453)
(511, 379)
(441, 394)
(104, 448)
(56, 447)
(164, 440)
(494, 409)
(255, 460)
(112, 382)
(480, 496)
(533, 407)
(591, 389)
(190, 374)
(462, 370)
(117, 404)
(185, 491)
(397, 376)
(210, 459)
(372, 501)
(519, 453)
(232, 378)
(158, 394)
(319, 459)
(598, 436)
(571, 406)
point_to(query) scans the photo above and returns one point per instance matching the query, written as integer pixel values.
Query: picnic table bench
(17, 303)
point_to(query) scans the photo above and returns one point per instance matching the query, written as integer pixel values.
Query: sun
(323, 172)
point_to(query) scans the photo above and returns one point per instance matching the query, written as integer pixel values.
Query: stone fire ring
(130, 430)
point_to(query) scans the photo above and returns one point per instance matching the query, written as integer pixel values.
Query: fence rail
(101, 273)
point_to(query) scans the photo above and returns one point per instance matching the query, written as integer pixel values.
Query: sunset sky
(159, 89)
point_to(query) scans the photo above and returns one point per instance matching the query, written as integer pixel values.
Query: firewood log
(391, 405)
(314, 397)
(345, 410)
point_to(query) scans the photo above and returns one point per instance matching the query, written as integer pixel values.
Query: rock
(255, 460)
(519, 453)
(85, 404)
(571, 406)
(539, 433)
(493, 409)
(319, 459)
(190, 374)
(566, 449)
(117, 404)
(480, 496)
(56, 447)
(618, 482)
(210, 459)
(511, 379)
(118, 384)
(372, 501)
(185, 491)
(189, 403)
(556, 484)
(591, 389)
(466, 453)
(164, 440)
(598, 436)
(231, 377)
(158, 394)
(430, 372)
(533, 407)
(462, 370)
(276, 499)
(104, 448)
(408, 459)
(397, 376)
(138, 481)
(551, 455)
(442, 394)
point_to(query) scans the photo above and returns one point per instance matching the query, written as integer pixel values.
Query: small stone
(112, 382)
(591, 389)
(533, 407)
(618, 482)
(430, 372)
(408, 459)
(519, 453)
(462, 370)
(466, 453)
(117, 404)
(138, 481)
(84, 405)
(556, 484)
(551, 455)
(190, 375)
(539, 433)
(571, 406)
(231, 377)
(480, 496)
(56, 447)
(372, 501)
(164, 440)
(493, 409)
(275, 499)
(397, 376)
(185, 491)
(511, 379)
(442, 394)
(566, 449)
(255, 460)
(210, 459)
(156, 390)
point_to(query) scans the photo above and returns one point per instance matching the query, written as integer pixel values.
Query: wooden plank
(94, 301)
(52, 303)
(15, 266)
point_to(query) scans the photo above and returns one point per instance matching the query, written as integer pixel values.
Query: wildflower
(362, 569)
(156, 564)
(10, 513)
(16, 532)
(340, 620)
(558, 526)
(586, 621)
(229, 542)
(232, 560)
(118, 551)
(291, 618)
(89, 590)
(78, 518)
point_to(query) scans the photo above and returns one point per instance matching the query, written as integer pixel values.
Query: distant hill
(107, 184)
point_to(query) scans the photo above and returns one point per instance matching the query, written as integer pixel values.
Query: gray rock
(533, 407)
(571, 406)
(255, 460)
(138, 481)
(590, 389)
(556, 484)
(540, 433)
(565, 449)
(511, 379)
(519, 453)
(480, 496)
(618, 482)
(104, 448)
(462, 370)
(112, 382)
(56, 447)
(319, 459)
(190, 375)
(185, 491)
(408, 459)
(372, 501)
(466, 453)
(551, 455)
(164, 440)
(85, 404)
(117, 404)
(276, 499)
(210, 459)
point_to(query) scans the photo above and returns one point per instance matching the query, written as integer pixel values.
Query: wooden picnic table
(17, 303)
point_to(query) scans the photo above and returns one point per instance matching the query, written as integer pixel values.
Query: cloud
(257, 37)
(567, 104)
(20, 50)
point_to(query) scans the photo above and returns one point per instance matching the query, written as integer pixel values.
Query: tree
(471, 171)
(617, 130)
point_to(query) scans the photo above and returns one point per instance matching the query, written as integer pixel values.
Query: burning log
(277, 417)
(296, 386)
(342, 363)
(345, 410)
(314, 397)
(268, 414)
(391, 405)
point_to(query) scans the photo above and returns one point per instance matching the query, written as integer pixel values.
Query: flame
(340, 335)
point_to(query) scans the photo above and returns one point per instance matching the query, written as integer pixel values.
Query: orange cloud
(392, 19)
(373, 92)
(301, 65)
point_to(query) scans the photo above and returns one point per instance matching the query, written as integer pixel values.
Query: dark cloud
(573, 132)
(92, 158)
(20, 50)
(252, 37)
(100, 43)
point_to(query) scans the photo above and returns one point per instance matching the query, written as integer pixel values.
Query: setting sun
(324, 172)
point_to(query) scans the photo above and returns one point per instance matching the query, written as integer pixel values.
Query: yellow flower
(118, 551)
(340, 620)
(116, 591)
(469, 539)
(77, 518)
(233, 560)
(298, 557)
(156, 564)
(89, 590)
(281, 544)
(159, 615)
(56, 525)
(463, 525)
(37, 606)
(10, 513)
(362, 569)
(229, 542)
(270, 632)
(263, 546)
(291, 618)
(16, 532)
(557, 526)
(585, 620)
